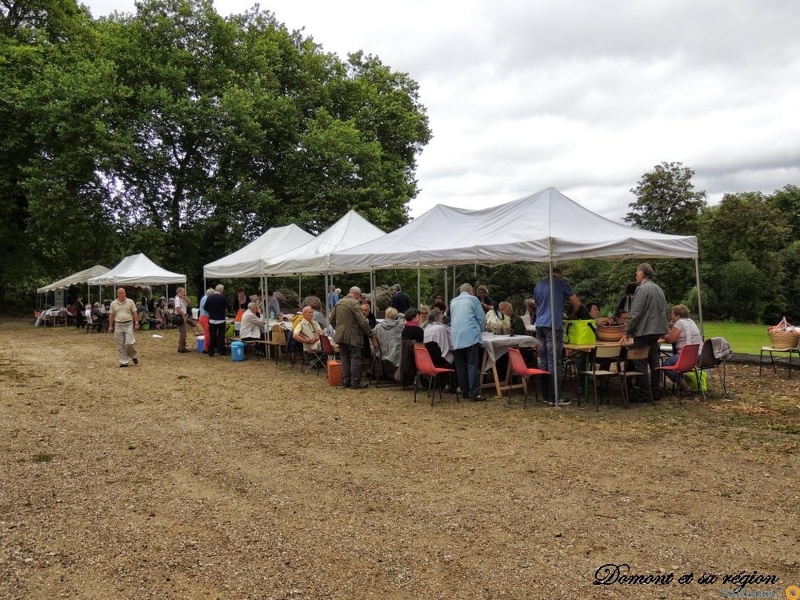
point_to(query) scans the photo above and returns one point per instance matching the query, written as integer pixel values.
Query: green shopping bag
(691, 379)
(580, 332)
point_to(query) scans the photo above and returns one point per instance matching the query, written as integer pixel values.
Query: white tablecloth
(498, 345)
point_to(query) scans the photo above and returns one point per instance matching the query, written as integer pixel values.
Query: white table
(496, 346)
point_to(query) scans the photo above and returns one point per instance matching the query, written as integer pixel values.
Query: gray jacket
(648, 315)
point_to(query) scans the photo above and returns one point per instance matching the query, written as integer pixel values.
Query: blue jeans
(546, 343)
(468, 369)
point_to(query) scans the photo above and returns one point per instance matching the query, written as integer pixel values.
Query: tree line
(184, 135)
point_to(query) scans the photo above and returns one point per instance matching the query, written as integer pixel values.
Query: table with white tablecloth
(496, 346)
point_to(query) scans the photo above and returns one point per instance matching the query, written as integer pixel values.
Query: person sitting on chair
(308, 331)
(252, 327)
(437, 340)
(682, 332)
(389, 333)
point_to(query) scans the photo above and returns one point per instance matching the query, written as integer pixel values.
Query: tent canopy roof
(137, 270)
(249, 261)
(314, 256)
(538, 228)
(74, 279)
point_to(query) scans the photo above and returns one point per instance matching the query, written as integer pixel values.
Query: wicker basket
(610, 333)
(783, 339)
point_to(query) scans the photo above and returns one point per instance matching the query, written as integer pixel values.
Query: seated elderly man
(252, 328)
(390, 335)
(498, 319)
(437, 340)
(308, 331)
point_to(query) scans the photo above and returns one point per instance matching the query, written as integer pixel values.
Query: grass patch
(744, 338)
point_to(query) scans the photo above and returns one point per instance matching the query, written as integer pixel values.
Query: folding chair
(313, 360)
(327, 348)
(603, 353)
(520, 369)
(425, 367)
(709, 361)
(687, 361)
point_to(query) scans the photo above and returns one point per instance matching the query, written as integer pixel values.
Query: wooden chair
(687, 361)
(597, 373)
(518, 367)
(425, 367)
(634, 354)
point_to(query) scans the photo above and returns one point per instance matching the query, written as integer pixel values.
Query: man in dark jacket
(217, 306)
(351, 326)
(400, 299)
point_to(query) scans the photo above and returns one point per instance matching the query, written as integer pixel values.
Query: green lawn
(744, 338)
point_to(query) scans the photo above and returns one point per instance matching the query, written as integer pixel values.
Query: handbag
(177, 320)
(581, 332)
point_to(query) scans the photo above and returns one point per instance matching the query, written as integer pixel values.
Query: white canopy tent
(249, 261)
(137, 270)
(314, 257)
(544, 227)
(74, 279)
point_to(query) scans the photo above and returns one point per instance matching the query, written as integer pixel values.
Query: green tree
(740, 242)
(666, 201)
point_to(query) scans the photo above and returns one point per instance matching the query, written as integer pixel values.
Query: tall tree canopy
(183, 134)
(666, 201)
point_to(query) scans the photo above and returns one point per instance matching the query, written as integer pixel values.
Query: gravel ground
(198, 477)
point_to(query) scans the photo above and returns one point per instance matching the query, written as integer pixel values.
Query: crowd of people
(452, 333)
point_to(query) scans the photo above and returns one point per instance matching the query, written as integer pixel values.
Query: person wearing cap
(351, 326)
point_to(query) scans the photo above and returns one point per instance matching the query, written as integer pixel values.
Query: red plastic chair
(426, 367)
(520, 369)
(687, 361)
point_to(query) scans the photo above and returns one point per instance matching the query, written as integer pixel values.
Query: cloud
(581, 95)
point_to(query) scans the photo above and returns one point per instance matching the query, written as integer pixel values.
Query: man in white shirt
(123, 320)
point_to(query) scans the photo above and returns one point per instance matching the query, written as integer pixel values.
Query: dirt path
(197, 477)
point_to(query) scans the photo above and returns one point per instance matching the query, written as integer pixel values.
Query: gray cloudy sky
(584, 96)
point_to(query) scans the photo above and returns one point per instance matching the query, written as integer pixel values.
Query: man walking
(467, 320)
(217, 306)
(550, 330)
(123, 320)
(351, 326)
(647, 322)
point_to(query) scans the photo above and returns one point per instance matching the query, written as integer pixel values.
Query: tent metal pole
(419, 297)
(699, 299)
(554, 367)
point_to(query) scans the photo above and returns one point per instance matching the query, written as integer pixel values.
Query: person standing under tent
(647, 322)
(350, 326)
(400, 300)
(550, 330)
(181, 307)
(217, 306)
(467, 320)
(123, 321)
(273, 306)
(203, 320)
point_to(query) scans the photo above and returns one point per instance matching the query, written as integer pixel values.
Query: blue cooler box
(237, 350)
(200, 341)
